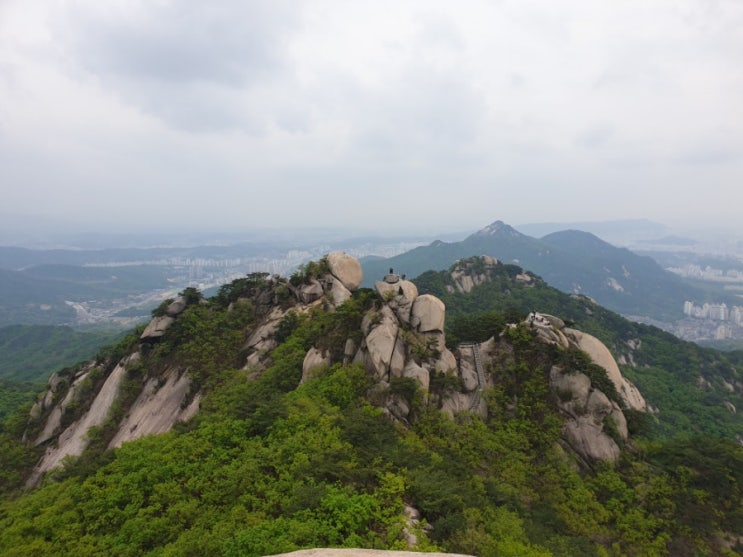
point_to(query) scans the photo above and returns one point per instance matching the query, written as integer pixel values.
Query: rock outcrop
(164, 400)
(588, 410)
(74, 439)
(346, 269)
(401, 338)
(161, 323)
(595, 423)
(156, 328)
(428, 314)
(600, 355)
(468, 273)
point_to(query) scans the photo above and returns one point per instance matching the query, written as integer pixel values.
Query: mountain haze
(573, 261)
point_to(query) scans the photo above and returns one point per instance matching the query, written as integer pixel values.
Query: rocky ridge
(402, 337)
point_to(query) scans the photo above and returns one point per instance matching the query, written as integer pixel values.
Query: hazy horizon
(423, 117)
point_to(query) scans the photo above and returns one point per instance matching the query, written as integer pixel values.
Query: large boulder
(588, 439)
(157, 327)
(308, 293)
(420, 374)
(600, 355)
(399, 296)
(572, 390)
(456, 403)
(176, 307)
(346, 269)
(588, 412)
(446, 363)
(428, 314)
(336, 291)
(380, 343)
(468, 373)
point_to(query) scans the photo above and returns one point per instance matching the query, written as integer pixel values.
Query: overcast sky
(420, 114)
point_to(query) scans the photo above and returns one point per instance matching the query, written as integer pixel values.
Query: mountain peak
(497, 228)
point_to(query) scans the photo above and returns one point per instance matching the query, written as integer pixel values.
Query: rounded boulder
(345, 268)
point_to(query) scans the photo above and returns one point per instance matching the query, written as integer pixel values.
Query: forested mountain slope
(311, 413)
(696, 390)
(33, 352)
(573, 261)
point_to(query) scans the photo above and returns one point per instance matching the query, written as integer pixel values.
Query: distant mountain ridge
(613, 231)
(573, 261)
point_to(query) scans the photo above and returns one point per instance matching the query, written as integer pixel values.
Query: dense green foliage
(30, 353)
(33, 352)
(14, 394)
(271, 465)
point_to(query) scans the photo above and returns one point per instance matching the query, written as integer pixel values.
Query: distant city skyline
(425, 117)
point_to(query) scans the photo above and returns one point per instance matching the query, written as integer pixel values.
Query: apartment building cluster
(715, 312)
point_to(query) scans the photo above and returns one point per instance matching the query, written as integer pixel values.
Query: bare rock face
(456, 403)
(598, 406)
(428, 314)
(176, 307)
(468, 374)
(620, 422)
(600, 355)
(308, 293)
(400, 297)
(54, 420)
(337, 291)
(157, 328)
(380, 342)
(397, 361)
(158, 407)
(588, 440)
(346, 269)
(572, 390)
(313, 360)
(74, 439)
(446, 363)
(418, 373)
(386, 290)
(552, 336)
(471, 272)
(261, 340)
(552, 330)
(588, 411)
(45, 402)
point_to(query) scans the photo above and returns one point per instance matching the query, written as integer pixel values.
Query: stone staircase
(480, 372)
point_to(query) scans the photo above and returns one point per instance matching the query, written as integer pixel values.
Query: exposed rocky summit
(346, 269)
(401, 337)
(591, 415)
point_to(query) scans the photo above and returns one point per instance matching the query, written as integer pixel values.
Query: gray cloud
(329, 109)
(196, 66)
(233, 43)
